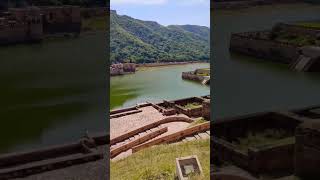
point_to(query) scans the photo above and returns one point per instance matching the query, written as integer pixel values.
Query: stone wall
(296, 29)
(122, 68)
(191, 76)
(191, 112)
(263, 48)
(22, 164)
(31, 23)
(307, 150)
(272, 160)
(232, 128)
(66, 19)
(94, 12)
(206, 110)
(21, 25)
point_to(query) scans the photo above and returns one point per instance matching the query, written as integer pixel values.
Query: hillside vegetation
(147, 41)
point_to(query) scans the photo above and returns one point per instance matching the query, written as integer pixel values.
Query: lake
(52, 92)
(155, 84)
(246, 85)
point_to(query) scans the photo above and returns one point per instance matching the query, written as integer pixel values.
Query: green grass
(203, 72)
(94, 24)
(266, 138)
(297, 40)
(198, 121)
(158, 162)
(310, 24)
(192, 105)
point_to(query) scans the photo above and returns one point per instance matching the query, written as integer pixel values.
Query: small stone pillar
(307, 150)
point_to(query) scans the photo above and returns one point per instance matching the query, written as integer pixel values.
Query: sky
(166, 12)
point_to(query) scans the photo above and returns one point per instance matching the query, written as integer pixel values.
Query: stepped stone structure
(309, 59)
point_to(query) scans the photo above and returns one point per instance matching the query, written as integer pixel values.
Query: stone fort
(29, 24)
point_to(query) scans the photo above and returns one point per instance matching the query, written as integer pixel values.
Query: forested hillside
(146, 41)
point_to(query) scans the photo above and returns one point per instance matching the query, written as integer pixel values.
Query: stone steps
(125, 113)
(132, 138)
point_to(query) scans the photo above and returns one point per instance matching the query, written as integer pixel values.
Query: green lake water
(52, 92)
(154, 85)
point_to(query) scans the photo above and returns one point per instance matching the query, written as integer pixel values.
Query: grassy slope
(159, 162)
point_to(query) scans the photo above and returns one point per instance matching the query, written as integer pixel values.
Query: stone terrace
(124, 124)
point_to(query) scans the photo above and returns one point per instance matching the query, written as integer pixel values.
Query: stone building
(64, 19)
(31, 23)
(21, 25)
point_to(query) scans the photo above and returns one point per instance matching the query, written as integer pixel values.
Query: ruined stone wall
(276, 159)
(263, 48)
(233, 128)
(21, 25)
(191, 76)
(94, 12)
(120, 69)
(129, 67)
(206, 111)
(66, 19)
(297, 29)
(228, 152)
(307, 150)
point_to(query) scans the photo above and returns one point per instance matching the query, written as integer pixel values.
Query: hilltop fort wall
(94, 12)
(21, 25)
(247, 44)
(293, 29)
(61, 19)
(32, 23)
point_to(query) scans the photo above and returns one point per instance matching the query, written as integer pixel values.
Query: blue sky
(166, 12)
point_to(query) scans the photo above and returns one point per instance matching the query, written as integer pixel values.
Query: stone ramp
(308, 59)
(123, 148)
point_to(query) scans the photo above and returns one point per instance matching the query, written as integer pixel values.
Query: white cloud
(139, 2)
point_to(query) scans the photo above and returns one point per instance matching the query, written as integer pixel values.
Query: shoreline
(142, 67)
(170, 64)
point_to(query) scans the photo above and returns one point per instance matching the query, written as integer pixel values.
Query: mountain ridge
(141, 41)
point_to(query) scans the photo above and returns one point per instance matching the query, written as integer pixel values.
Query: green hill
(147, 41)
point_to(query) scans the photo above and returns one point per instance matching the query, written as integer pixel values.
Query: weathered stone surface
(307, 150)
(122, 68)
(206, 109)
